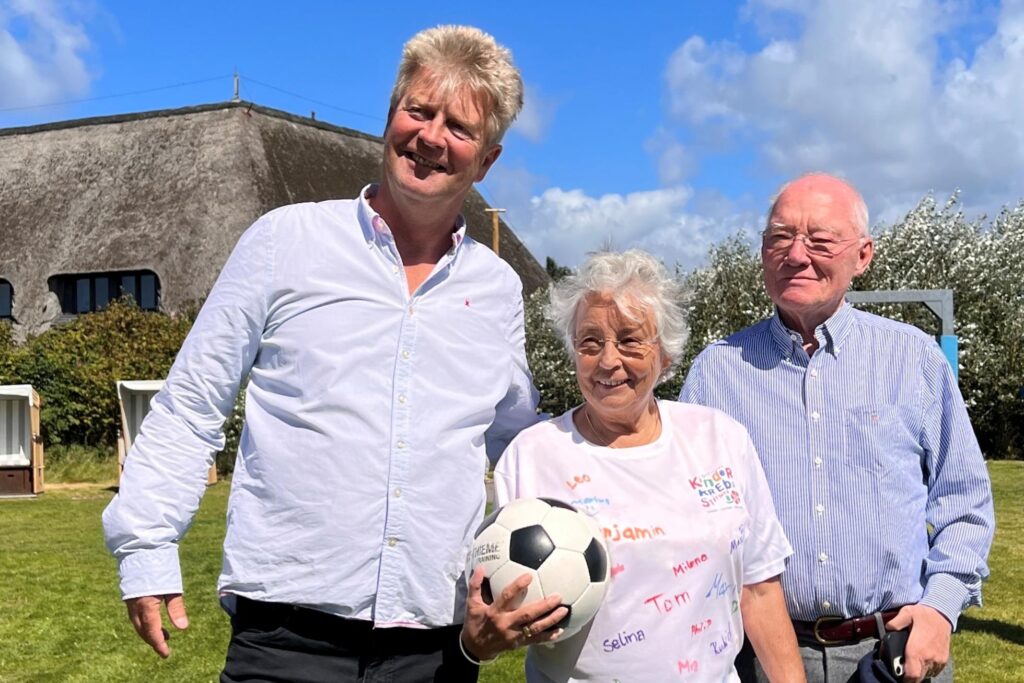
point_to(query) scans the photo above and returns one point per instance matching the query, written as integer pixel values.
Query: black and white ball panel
(561, 549)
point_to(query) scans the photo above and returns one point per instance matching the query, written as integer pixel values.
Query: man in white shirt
(385, 354)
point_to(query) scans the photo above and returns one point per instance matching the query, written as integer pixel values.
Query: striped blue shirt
(874, 468)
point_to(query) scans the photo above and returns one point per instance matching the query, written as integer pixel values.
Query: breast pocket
(872, 434)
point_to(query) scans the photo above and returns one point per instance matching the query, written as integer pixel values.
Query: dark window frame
(80, 293)
(6, 300)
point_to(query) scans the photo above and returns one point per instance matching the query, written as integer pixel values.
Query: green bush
(553, 371)
(6, 353)
(74, 368)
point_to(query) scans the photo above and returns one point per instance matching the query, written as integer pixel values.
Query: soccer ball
(562, 549)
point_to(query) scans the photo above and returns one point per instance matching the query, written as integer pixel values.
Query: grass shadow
(1011, 633)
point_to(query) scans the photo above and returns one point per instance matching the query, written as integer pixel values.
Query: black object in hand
(892, 652)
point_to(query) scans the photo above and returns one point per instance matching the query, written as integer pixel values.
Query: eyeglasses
(782, 241)
(630, 347)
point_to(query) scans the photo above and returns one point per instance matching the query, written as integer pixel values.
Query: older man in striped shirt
(875, 471)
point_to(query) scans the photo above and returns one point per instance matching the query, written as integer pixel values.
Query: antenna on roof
(236, 98)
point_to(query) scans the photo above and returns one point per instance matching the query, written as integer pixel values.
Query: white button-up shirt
(357, 391)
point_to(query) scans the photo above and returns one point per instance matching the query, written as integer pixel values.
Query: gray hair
(630, 277)
(860, 209)
(463, 56)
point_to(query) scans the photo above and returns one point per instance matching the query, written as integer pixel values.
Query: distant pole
(495, 233)
(236, 98)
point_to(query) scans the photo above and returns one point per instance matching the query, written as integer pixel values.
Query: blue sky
(664, 125)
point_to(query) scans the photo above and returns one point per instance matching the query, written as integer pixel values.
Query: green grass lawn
(61, 618)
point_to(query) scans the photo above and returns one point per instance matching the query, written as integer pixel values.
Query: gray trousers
(834, 664)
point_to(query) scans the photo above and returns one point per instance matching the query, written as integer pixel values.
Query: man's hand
(145, 615)
(504, 625)
(928, 646)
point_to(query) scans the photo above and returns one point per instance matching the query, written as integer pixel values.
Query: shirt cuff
(150, 572)
(949, 596)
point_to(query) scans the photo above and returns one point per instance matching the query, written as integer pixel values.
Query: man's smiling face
(436, 146)
(807, 286)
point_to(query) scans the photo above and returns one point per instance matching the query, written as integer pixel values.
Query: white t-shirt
(688, 521)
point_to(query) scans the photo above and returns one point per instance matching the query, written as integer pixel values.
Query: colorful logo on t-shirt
(717, 489)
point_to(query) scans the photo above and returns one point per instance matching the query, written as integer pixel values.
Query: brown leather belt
(839, 631)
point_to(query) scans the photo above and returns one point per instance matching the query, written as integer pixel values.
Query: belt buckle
(821, 622)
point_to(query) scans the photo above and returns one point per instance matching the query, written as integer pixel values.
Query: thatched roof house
(152, 203)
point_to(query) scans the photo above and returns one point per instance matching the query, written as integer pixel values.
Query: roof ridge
(180, 111)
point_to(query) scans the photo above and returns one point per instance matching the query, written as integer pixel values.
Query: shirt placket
(822, 460)
(404, 447)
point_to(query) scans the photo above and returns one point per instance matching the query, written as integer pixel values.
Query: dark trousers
(276, 643)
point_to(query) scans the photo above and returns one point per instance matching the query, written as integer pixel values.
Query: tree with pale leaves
(933, 247)
(936, 247)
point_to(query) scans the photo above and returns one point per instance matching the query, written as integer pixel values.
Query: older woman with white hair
(695, 547)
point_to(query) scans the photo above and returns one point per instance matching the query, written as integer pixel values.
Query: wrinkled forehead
(805, 209)
(448, 91)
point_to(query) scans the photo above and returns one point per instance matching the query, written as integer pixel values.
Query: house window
(88, 292)
(6, 300)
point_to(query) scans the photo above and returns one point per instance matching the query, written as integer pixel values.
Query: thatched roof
(171, 191)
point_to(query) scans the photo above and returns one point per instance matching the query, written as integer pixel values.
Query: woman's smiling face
(617, 385)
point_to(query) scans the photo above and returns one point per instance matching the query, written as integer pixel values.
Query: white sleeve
(518, 409)
(766, 547)
(505, 479)
(165, 472)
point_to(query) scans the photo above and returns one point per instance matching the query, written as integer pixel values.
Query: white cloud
(537, 114)
(566, 224)
(862, 88)
(42, 49)
(674, 160)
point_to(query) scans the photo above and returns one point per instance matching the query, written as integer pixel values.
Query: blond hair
(459, 57)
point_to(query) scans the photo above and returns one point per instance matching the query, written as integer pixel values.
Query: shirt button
(410, 310)
(405, 354)
(814, 372)
(398, 493)
(815, 416)
(817, 461)
(820, 508)
(826, 605)
(822, 557)
(394, 269)
(400, 444)
(401, 398)
(392, 542)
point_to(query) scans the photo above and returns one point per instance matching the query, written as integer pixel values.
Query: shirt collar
(831, 334)
(375, 228)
